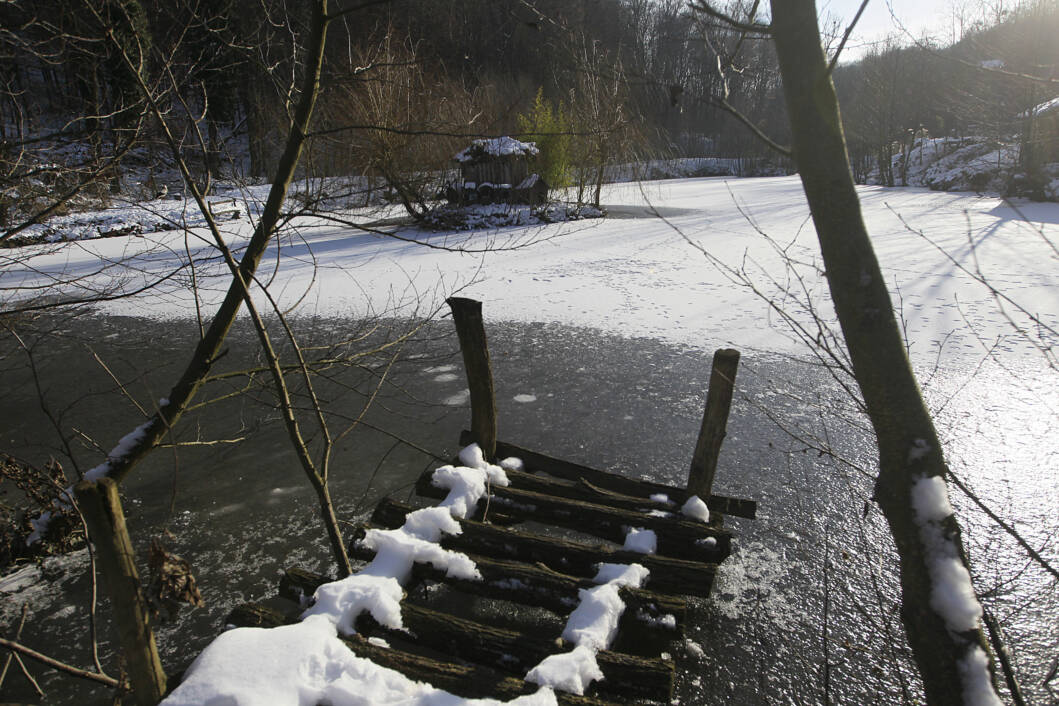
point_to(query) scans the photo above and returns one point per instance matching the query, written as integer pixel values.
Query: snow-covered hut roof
(1045, 107)
(497, 147)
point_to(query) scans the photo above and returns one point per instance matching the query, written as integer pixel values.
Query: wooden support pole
(714, 423)
(467, 315)
(101, 507)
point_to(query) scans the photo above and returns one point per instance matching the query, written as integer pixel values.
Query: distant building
(497, 170)
(1045, 135)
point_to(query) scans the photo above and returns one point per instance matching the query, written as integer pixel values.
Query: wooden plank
(668, 574)
(545, 588)
(511, 651)
(469, 681)
(538, 462)
(585, 490)
(677, 537)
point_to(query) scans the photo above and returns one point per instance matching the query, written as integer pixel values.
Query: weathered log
(514, 652)
(537, 462)
(469, 681)
(259, 615)
(589, 492)
(714, 423)
(545, 588)
(467, 315)
(668, 574)
(624, 675)
(677, 537)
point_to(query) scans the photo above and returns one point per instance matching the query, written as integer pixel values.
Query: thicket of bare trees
(985, 85)
(162, 104)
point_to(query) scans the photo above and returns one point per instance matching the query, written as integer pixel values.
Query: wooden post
(101, 507)
(714, 423)
(467, 315)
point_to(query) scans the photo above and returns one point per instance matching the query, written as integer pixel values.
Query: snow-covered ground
(640, 272)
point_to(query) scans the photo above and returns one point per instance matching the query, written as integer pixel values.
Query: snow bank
(952, 594)
(468, 484)
(396, 551)
(591, 627)
(630, 274)
(341, 602)
(977, 686)
(641, 540)
(570, 671)
(306, 665)
(696, 509)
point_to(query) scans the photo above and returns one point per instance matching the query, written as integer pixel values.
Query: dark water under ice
(803, 612)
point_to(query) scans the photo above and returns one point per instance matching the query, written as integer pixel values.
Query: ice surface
(605, 274)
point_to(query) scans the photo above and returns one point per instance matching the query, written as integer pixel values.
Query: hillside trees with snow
(977, 93)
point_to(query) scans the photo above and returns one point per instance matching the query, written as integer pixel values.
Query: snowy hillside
(978, 164)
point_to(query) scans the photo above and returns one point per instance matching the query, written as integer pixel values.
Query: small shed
(498, 170)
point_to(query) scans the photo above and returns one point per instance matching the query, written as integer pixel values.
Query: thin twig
(18, 649)
(845, 37)
(18, 636)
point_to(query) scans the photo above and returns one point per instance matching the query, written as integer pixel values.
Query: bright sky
(935, 17)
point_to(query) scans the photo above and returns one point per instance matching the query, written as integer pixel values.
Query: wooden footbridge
(536, 543)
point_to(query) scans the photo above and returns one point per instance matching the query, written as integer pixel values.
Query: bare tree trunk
(950, 653)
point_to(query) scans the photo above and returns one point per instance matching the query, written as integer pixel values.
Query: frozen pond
(811, 582)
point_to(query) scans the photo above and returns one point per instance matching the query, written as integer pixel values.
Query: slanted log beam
(541, 463)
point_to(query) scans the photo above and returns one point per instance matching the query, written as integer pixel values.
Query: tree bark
(106, 527)
(909, 449)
